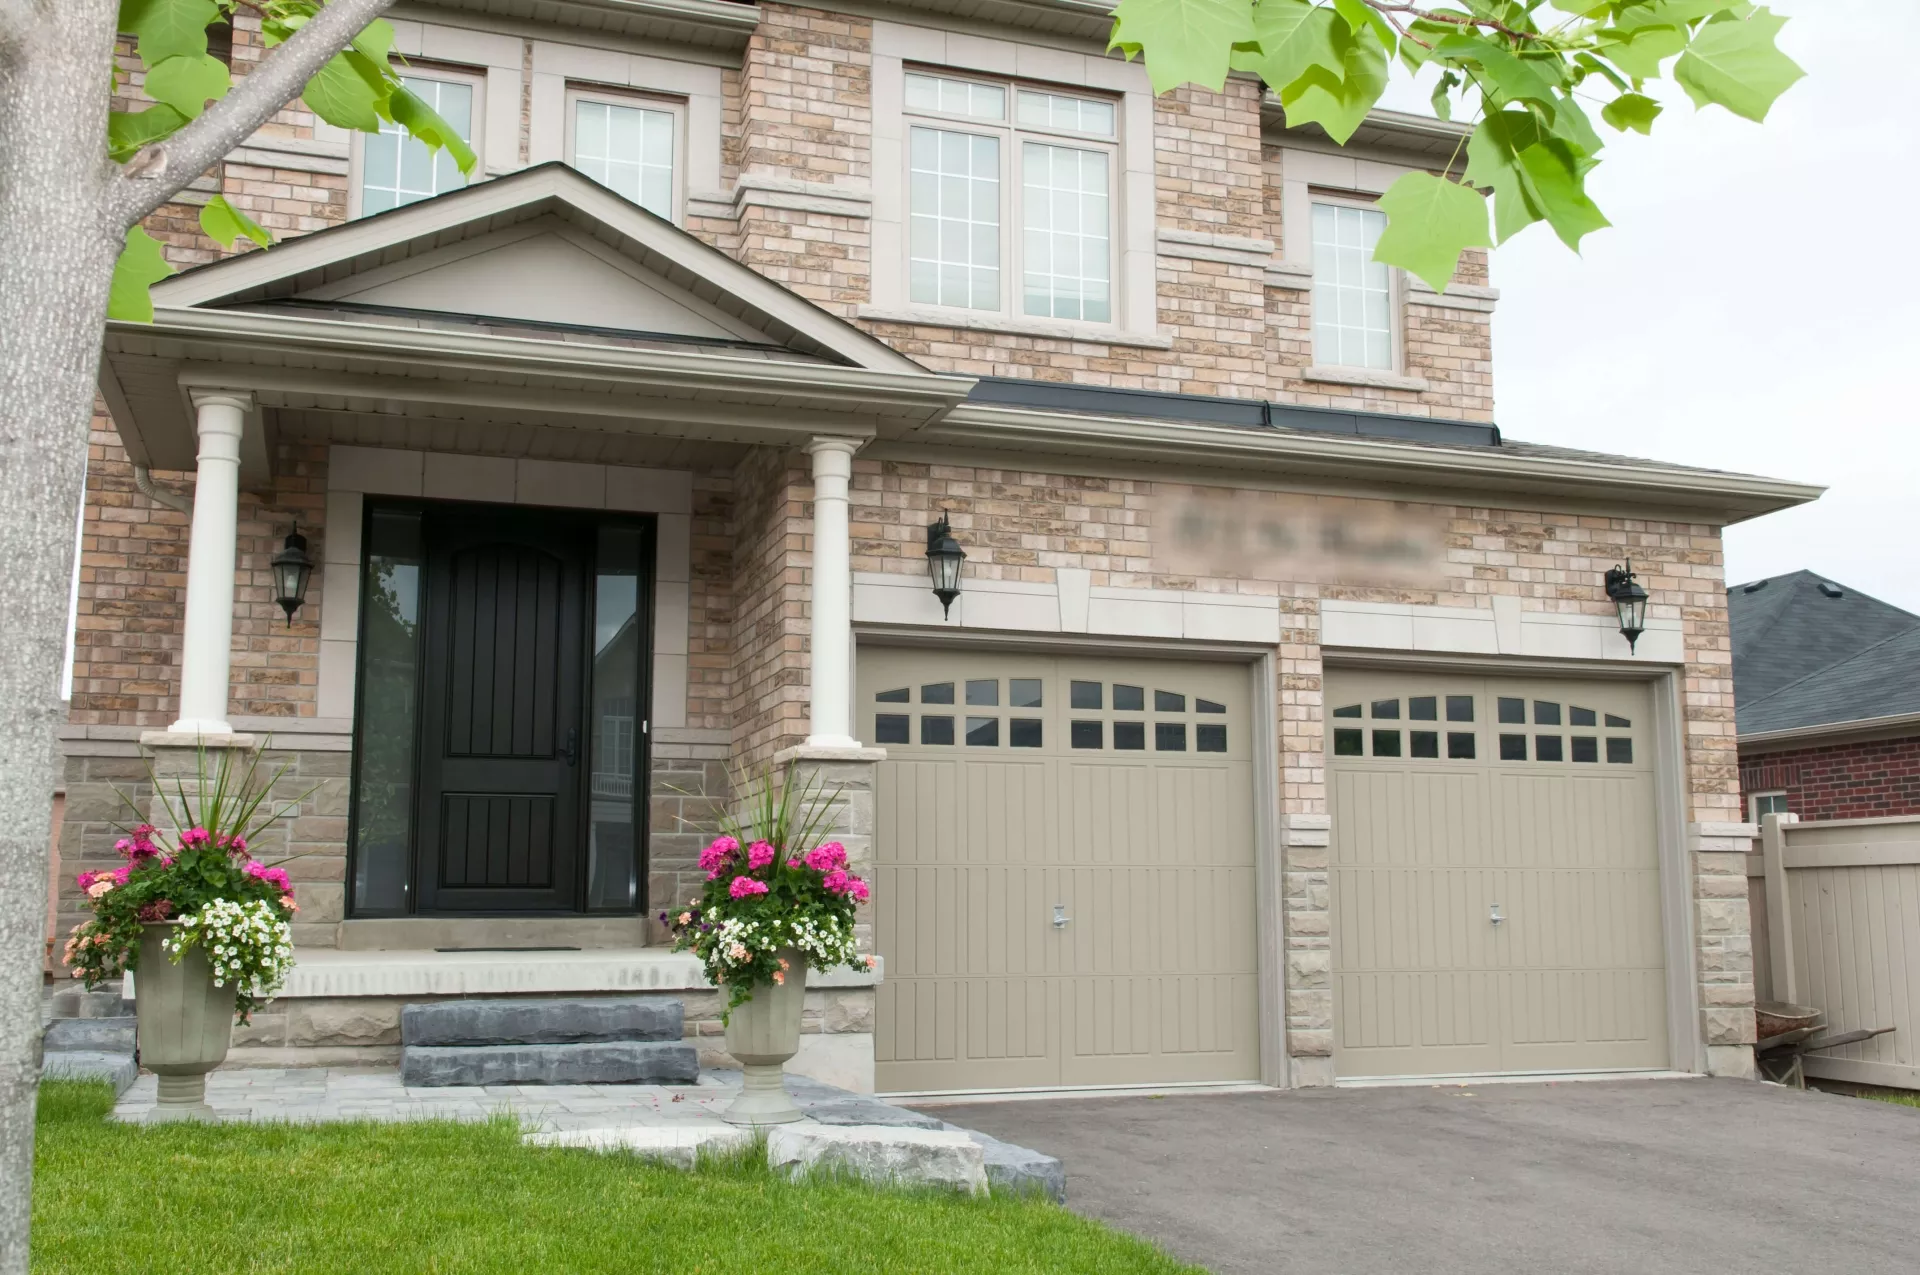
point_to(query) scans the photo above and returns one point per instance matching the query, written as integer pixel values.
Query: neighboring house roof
(1810, 653)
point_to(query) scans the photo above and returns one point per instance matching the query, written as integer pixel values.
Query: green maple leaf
(225, 224)
(1734, 61)
(129, 131)
(1430, 222)
(350, 91)
(1634, 111)
(1293, 37)
(168, 28)
(139, 266)
(1358, 14)
(1513, 79)
(376, 41)
(1640, 51)
(1340, 102)
(1534, 176)
(411, 112)
(1183, 41)
(188, 83)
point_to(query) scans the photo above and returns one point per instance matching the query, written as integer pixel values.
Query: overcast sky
(1755, 307)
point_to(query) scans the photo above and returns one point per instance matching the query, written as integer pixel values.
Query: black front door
(498, 815)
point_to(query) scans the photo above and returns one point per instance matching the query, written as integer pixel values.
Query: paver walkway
(312, 1094)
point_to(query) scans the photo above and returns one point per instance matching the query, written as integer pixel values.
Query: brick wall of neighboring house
(1861, 780)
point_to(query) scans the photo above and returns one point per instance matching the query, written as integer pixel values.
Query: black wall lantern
(1630, 600)
(292, 568)
(944, 556)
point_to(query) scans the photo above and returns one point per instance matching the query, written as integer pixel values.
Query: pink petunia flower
(837, 882)
(857, 888)
(759, 855)
(744, 886)
(195, 837)
(796, 863)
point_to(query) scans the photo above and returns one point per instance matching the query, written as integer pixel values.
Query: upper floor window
(630, 145)
(1353, 310)
(1010, 198)
(395, 169)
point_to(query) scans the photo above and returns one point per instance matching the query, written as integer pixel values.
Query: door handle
(1495, 916)
(1060, 917)
(572, 750)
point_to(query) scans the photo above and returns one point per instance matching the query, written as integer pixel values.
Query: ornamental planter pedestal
(761, 1035)
(185, 1024)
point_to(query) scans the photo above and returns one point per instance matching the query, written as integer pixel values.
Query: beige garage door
(1115, 795)
(1457, 800)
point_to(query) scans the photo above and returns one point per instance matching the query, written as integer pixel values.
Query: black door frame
(590, 521)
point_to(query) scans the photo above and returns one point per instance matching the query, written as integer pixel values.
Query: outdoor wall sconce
(292, 568)
(944, 556)
(1629, 600)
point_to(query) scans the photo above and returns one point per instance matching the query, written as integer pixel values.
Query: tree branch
(159, 172)
(1452, 19)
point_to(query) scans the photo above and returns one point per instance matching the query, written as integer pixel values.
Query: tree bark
(58, 243)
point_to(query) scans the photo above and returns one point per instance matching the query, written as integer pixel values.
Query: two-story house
(1282, 729)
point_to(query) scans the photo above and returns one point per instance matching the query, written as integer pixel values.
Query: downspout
(143, 479)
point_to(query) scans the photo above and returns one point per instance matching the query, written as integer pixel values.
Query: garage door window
(980, 731)
(1424, 745)
(1553, 747)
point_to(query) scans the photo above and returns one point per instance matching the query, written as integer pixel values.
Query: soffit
(714, 24)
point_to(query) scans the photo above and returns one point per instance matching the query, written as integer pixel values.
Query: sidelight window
(389, 695)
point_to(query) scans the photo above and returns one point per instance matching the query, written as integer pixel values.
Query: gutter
(1832, 732)
(456, 351)
(1285, 452)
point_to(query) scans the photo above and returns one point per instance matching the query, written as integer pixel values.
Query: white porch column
(832, 632)
(207, 658)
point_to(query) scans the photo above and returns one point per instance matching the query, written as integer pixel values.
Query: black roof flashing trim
(1243, 413)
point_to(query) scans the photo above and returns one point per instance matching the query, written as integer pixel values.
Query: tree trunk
(57, 250)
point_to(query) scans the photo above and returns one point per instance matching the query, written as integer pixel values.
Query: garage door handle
(1496, 918)
(1060, 917)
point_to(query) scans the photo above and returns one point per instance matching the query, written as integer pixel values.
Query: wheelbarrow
(1788, 1033)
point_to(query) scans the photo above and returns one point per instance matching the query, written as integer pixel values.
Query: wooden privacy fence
(1836, 925)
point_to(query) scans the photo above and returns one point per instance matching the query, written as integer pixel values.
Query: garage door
(1496, 877)
(1064, 853)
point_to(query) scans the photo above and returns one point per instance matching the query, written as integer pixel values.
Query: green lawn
(444, 1197)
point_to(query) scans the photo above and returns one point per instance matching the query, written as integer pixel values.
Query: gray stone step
(77, 1002)
(1018, 1170)
(97, 1035)
(117, 1070)
(541, 1022)
(615, 1062)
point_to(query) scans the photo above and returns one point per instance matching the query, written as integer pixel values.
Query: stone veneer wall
(324, 1031)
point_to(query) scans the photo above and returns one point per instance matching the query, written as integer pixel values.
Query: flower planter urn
(761, 1035)
(185, 1024)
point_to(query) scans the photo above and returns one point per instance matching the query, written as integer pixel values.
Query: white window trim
(476, 79)
(1396, 298)
(562, 70)
(1134, 263)
(1753, 802)
(1013, 138)
(674, 106)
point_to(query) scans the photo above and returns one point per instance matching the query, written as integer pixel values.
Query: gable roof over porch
(534, 314)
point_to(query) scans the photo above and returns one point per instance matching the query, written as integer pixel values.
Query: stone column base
(175, 758)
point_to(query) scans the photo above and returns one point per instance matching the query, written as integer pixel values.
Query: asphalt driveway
(1636, 1176)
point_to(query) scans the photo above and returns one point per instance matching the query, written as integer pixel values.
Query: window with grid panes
(629, 146)
(395, 169)
(1353, 322)
(1010, 198)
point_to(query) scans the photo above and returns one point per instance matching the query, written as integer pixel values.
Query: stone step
(116, 1069)
(612, 1062)
(77, 1002)
(94, 1035)
(541, 1022)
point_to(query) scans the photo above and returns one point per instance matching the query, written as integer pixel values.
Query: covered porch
(546, 445)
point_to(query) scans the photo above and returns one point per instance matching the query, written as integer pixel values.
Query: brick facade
(1861, 780)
